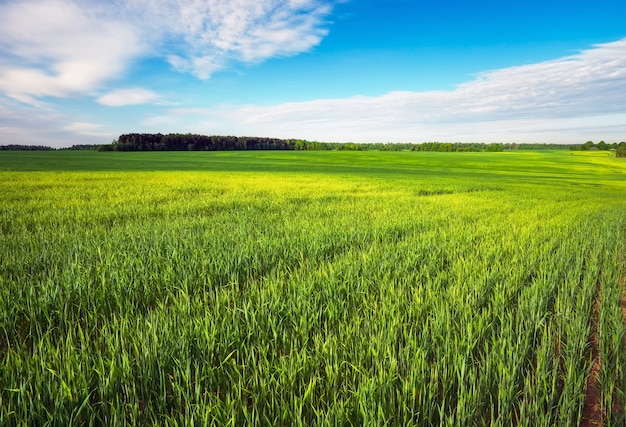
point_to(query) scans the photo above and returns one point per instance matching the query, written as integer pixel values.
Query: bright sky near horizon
(86, 71)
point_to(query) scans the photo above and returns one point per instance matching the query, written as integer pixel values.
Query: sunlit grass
(382, 288)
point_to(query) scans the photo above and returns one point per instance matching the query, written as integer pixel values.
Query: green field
(311, 288)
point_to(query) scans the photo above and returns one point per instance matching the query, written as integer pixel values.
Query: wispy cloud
(205, 36)
(87, 129)
(532, 102)
(62, 48)
(83, 48)
(31, 126)
(79, 48)
(131, 96)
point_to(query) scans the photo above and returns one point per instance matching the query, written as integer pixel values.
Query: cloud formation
(123, 97)
(535, 102)
(79, 48)
(63, 48)
(87, 129)
(57, 48)
(207, 35)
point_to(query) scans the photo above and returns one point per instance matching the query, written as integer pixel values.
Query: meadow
(312, 288)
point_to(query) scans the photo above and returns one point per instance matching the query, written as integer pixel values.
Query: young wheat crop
(383, 288)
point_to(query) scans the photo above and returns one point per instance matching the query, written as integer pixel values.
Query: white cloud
(34, 126)
(206, 36)
(77, 48)
(87, 129)
(60, 48)
(25, 125)
(65, 48)
(585, 93)
(132, 96)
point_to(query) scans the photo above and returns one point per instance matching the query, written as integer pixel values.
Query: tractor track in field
(592, 412)
(622, 409)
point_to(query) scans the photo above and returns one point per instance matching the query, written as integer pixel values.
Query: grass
(309, 288)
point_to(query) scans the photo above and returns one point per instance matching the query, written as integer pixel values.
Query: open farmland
(312, 288)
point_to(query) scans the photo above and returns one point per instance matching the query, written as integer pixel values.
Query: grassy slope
(328, 287)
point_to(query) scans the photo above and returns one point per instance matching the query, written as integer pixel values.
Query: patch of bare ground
(592, 411)
(621, 409)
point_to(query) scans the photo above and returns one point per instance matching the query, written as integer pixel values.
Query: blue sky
(86, 71)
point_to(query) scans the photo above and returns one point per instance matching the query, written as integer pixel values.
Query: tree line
(194, 142)
(17, 147)
(620, 149)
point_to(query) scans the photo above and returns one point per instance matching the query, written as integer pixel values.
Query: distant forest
(193, 142)
(17, 147)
